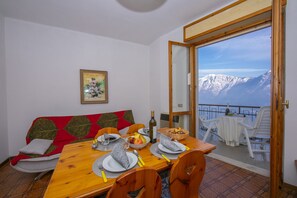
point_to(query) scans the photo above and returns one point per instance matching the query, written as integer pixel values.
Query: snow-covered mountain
(223, 89)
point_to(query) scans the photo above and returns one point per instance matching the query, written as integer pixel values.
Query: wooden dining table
(74, 177)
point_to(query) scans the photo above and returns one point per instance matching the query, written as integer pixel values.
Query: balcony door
(182, 85)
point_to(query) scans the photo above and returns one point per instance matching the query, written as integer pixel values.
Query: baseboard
(248, 167)
(290, 186)
(4, 162)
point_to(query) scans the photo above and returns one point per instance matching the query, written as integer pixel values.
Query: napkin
(165, 141)
(119, 154)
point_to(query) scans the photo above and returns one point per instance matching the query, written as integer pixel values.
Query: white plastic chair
(261, 130)
(208, 125)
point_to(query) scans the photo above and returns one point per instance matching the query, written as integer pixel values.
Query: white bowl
(139, 146)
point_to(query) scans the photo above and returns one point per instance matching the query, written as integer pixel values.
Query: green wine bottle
(153, 127)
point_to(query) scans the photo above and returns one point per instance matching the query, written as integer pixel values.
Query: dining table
(73, 175)
(230, 130)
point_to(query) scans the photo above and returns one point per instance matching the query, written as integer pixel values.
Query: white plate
(166, 150)
(111, 165)
(117, 136)
(142, 132)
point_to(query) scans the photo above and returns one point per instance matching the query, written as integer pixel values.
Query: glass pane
(180, 71)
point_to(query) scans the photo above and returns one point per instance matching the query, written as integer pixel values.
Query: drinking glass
(105, 141)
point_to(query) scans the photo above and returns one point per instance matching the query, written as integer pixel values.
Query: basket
(175, 133)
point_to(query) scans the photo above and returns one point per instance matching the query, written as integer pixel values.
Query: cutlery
(102, 173)
(164, 156)
(95, 144)
(138, 156)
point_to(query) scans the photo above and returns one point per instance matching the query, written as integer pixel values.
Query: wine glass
(126, 144)
(105, 141)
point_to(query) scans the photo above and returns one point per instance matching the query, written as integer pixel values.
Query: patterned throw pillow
(37, 146)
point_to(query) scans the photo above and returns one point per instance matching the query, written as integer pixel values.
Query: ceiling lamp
(141, 5)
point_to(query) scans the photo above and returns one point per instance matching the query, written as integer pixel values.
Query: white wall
(3, 109)
(43, 66)
(159, 81)
(290, 149)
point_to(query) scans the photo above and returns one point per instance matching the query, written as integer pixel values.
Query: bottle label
(154, 132)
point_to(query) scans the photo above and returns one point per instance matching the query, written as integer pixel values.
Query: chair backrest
(262, 123)
(145, 180)
(186, 174)
(108, 130)
(134, 128)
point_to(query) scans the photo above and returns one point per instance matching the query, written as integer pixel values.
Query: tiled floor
(225, 180)
(220, 180)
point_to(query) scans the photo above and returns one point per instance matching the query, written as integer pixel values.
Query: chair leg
(40, 175)
(207, 133)
(248, 143)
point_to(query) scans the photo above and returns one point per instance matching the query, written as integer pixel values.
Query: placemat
(108, 174)
(154, 148)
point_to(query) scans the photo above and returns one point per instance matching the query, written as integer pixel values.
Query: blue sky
(247, 55)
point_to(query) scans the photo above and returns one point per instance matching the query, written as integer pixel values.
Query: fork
(102, 172)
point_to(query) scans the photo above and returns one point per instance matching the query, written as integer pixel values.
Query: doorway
(235, 73)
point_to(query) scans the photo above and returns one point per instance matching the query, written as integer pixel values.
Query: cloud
(253, 46)
(241, 72)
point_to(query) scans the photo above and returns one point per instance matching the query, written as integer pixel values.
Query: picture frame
(93, 86)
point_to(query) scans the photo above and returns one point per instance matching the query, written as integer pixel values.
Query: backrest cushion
(76, 128)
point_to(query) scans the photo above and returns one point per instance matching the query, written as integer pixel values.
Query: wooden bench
(65, 130)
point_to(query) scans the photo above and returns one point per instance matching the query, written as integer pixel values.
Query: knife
(102, 173)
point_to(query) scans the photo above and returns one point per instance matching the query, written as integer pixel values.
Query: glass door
(181, 86)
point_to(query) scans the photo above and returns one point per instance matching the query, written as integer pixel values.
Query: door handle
(286, 103)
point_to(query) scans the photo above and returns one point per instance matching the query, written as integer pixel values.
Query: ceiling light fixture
(141, 5)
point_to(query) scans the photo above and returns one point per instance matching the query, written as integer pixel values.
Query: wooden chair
(134, 128)
(186, 175)
(146, 180)
(108, 130)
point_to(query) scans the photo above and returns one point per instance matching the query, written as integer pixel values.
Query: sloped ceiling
(109, 18)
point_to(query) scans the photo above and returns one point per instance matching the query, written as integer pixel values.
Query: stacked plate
(166, 150)
(112, 165)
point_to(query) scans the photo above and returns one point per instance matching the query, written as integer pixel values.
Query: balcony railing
(211, 111)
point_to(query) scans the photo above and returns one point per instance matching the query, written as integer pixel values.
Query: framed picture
(93, 87)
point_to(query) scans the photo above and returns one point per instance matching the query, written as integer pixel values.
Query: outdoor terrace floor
(239, 155)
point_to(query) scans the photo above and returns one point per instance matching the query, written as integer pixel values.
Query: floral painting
(93, 86)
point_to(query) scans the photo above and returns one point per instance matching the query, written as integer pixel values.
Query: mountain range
(224, 89)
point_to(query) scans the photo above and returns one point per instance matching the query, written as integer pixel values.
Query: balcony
(237, 155)
(211, 111)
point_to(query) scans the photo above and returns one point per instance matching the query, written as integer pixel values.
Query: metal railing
(211, 111)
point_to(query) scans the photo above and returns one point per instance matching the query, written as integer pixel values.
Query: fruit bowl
(136, 144)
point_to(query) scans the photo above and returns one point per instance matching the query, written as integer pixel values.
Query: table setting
(116, 162)
(106, 142)
(167, 148)
(119, 160)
